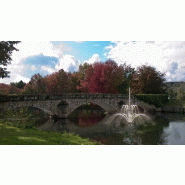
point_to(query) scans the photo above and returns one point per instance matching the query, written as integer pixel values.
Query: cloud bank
(167, 57)
(39, 57)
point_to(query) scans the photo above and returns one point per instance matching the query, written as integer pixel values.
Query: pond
(169, 129)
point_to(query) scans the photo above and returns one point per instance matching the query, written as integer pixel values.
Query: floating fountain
(129, 114)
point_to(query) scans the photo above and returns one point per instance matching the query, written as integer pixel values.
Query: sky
(47, 57)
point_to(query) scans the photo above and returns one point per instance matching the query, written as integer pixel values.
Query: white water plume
(129, 114)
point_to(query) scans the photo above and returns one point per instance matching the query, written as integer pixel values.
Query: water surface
(169, 129)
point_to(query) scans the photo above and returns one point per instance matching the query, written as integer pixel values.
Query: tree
(83, 68)
(28, 89)
(51, 83)
(127, 73)
(8, 89)
(112, 76)
(63, 82)
(19, 84)
(147, 80)
(101, 78)
(74, 81)
(35, 86)
(6, 49)
(57, 82)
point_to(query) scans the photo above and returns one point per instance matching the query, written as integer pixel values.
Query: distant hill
(174, 84)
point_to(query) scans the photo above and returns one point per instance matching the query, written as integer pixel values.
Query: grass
(23, 132)
(11, 135)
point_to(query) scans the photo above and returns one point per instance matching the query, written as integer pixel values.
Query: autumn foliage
(146, 80)
(57, 82)
(99, 77)
(8, 89)
(102, 78)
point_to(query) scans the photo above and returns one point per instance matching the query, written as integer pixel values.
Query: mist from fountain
(129, 114)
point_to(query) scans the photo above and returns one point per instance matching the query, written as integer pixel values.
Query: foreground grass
(11, 135)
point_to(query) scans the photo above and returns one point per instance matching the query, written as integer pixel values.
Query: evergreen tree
(19, 84)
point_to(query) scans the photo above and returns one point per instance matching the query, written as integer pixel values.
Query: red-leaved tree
(101, 78)
(8, 89)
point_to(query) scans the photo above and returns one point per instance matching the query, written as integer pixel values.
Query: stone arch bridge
(61, 105)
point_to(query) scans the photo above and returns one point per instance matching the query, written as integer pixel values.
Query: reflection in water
(86, 118)
(175, 133)
(50, 125)
(93, 124)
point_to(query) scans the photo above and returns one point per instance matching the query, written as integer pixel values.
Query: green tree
(19, 84)
(83, 68)
(127, 73)
(6, 49)
(74, 81)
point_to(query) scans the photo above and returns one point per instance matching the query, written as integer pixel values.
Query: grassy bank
(12, 135)
(17, 128)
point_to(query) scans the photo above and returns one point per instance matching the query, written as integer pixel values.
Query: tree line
(100, 77)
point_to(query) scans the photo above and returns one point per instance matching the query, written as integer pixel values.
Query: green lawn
(11, 135)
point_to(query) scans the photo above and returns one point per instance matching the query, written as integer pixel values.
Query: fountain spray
(129, 97)
(129, 113)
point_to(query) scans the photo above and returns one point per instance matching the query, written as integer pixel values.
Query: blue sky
(51, 56)
(84, 50)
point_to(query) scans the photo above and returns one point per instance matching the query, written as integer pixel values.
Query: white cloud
(166, 57)
(60, 48)
(20, 77)
(94, 58)
(29, 49)
(68, 63)
(17, 74)
(33, 68)
(109, 47)
(48, 69)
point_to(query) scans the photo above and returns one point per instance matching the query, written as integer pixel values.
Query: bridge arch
(107, 107)
(45, 110)
(34, 106)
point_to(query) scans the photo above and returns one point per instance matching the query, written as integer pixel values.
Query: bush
(4, 98)
(7, 98)
(155, 99)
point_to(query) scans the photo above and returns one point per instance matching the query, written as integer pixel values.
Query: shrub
(155, 99)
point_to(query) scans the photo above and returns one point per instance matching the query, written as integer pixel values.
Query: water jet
(129, 114)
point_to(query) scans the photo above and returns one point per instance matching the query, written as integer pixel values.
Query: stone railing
(15, 98)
